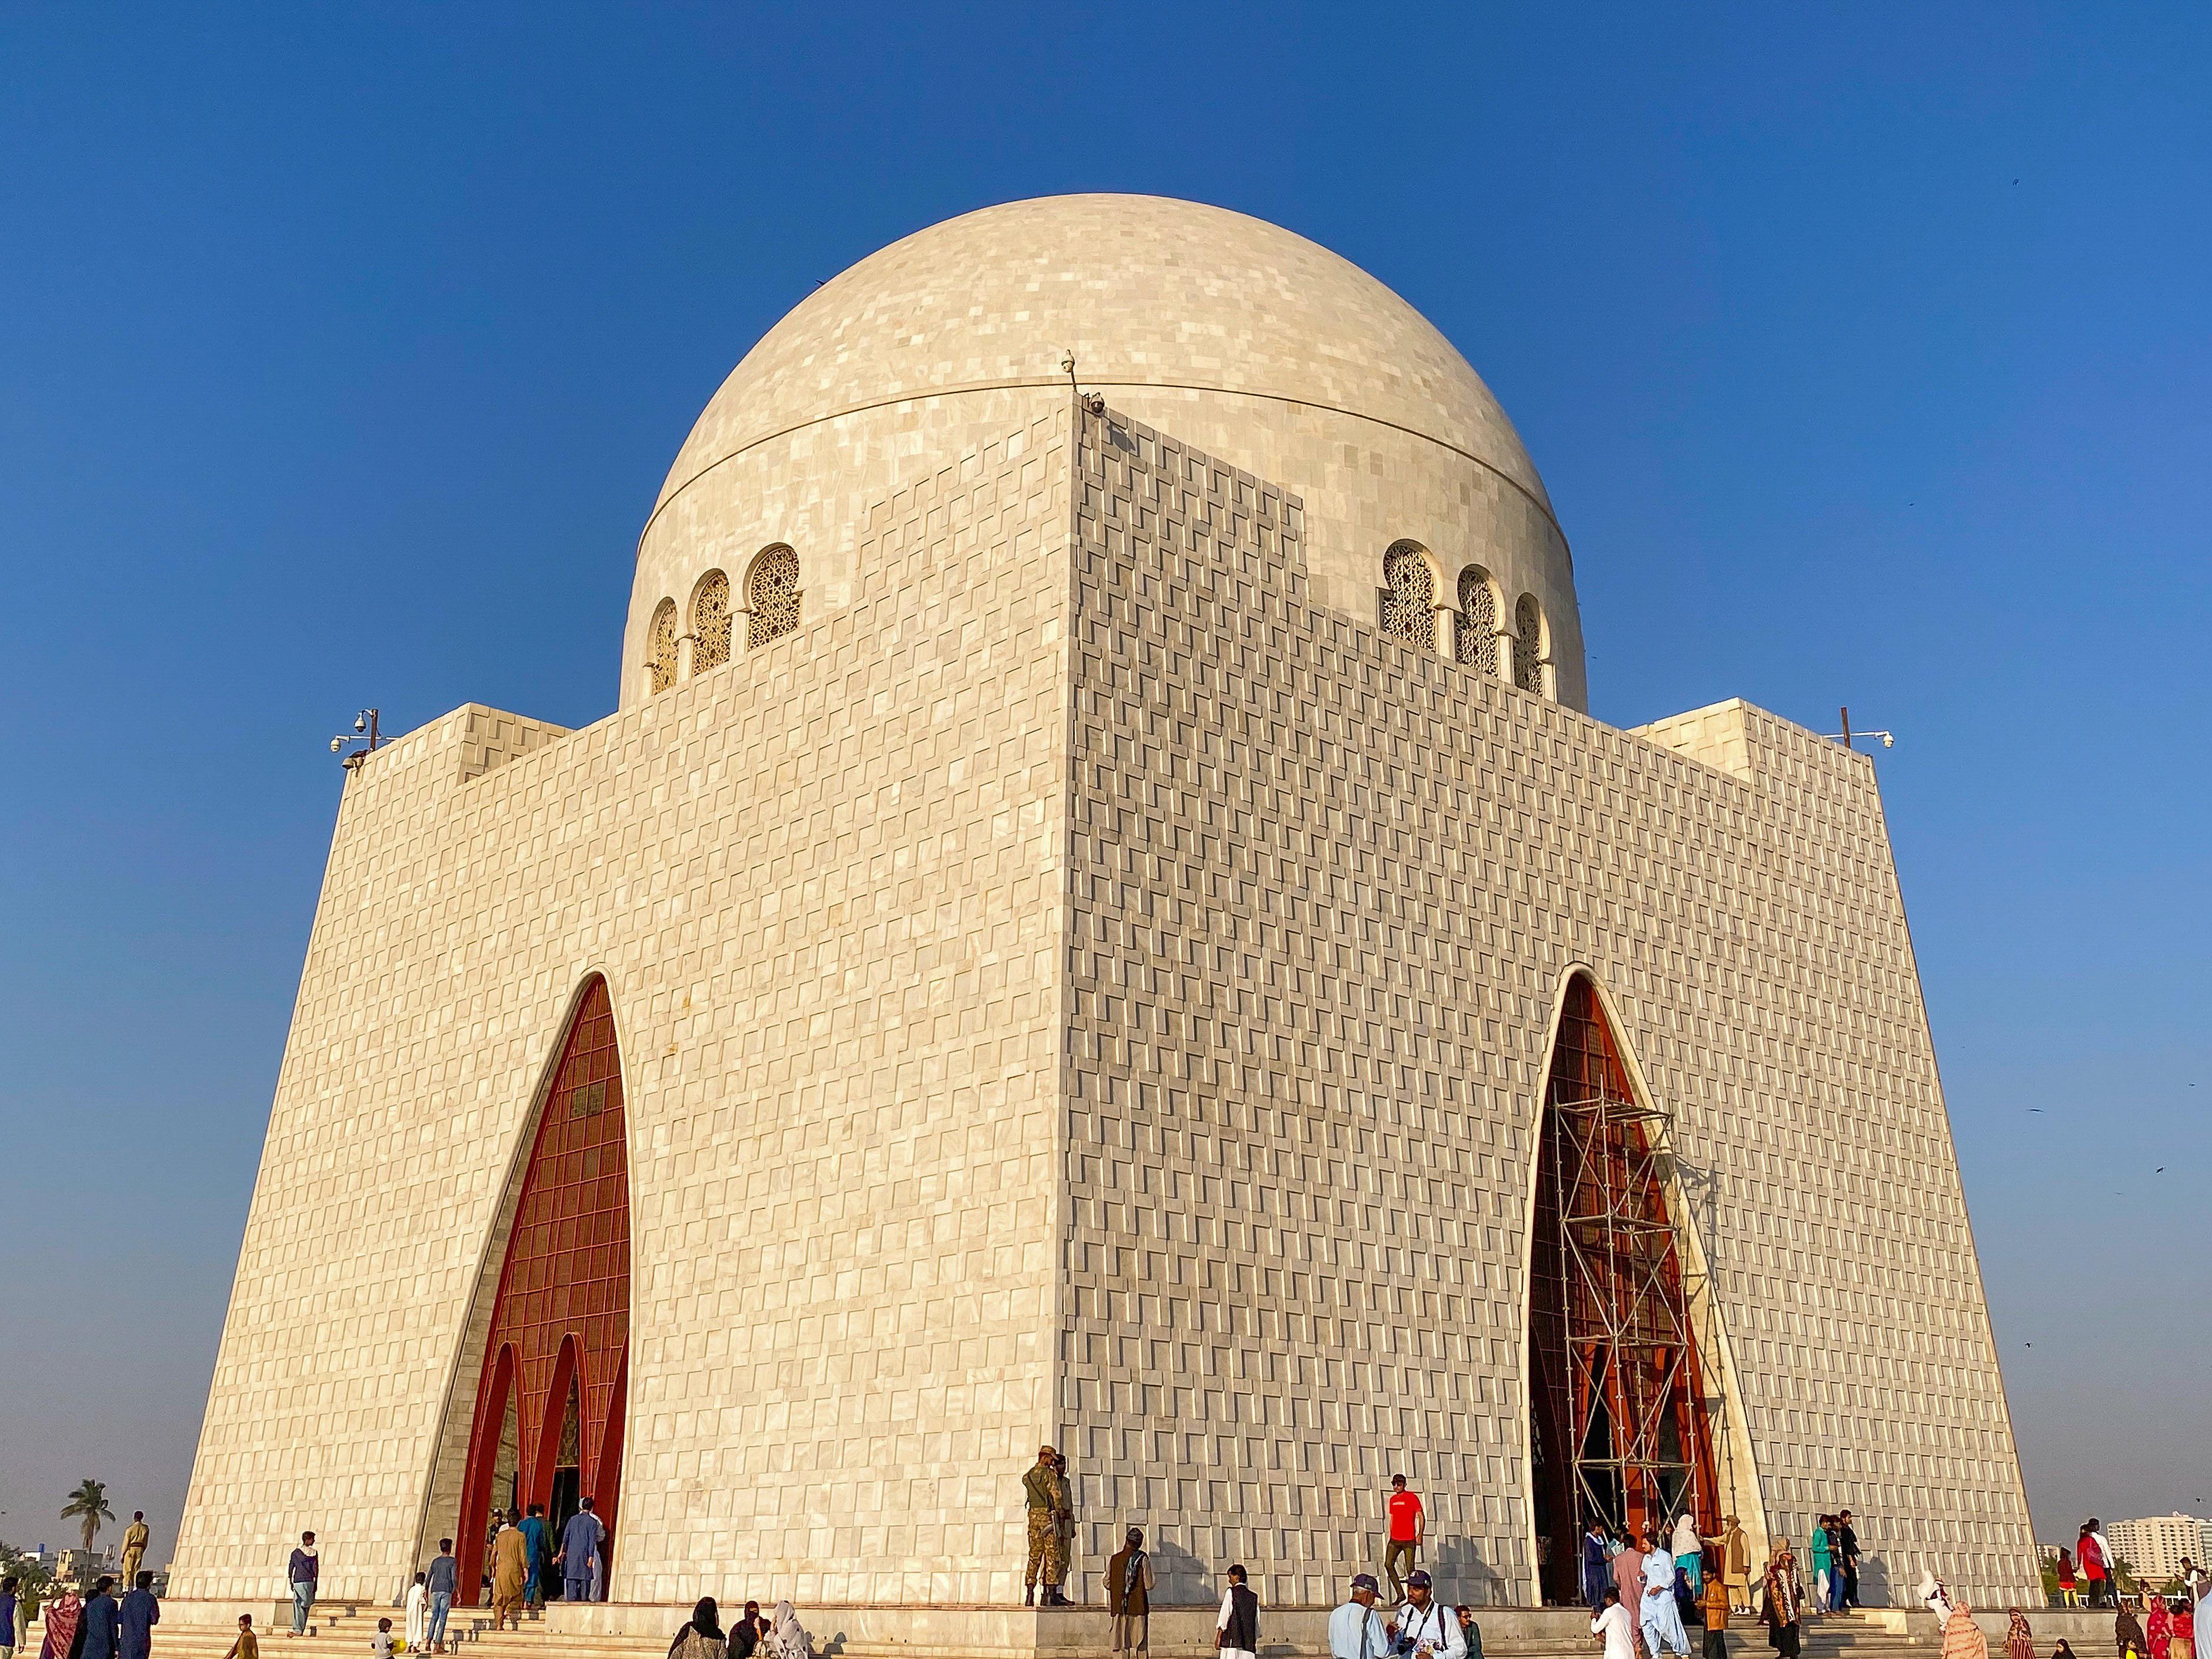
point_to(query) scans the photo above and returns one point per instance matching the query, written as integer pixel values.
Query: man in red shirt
(1408, 1530)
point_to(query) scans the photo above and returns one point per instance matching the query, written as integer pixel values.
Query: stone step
(1184, 1632)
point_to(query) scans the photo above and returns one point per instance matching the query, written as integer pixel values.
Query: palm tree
(88, 1505)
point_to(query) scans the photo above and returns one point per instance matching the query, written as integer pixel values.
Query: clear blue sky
(1866, 353)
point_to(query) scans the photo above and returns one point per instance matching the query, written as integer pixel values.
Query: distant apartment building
(2156, 1546)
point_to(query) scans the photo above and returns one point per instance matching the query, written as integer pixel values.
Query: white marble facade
(1086, 983)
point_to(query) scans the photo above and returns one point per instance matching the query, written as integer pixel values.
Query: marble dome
(1253, 344)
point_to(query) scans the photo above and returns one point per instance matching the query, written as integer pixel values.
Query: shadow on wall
(1875, 1587)
(1462, 1574)
(1180, 1579)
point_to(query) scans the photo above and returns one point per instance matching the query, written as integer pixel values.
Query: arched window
(1409, 597)
(772, 594)
(1474, 642)
(710, 623)
(660, 646)
(1529, 644)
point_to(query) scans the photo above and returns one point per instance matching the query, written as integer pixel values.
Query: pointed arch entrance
(1619, 1428)
(547, 1427)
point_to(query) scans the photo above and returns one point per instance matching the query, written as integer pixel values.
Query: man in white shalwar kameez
(1616, 1626)
(1660, 1618)
(418, 1614)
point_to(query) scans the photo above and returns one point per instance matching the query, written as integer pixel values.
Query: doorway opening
(546, 1426)
(1618, 1432)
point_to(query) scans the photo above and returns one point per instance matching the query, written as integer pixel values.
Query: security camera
(1888, 741)
(361, 722)
(336, 743)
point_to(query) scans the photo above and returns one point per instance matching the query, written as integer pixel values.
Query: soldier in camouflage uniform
(1051, 1518)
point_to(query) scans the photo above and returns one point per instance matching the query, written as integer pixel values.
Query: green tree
(88, 1506)
(31, 1584)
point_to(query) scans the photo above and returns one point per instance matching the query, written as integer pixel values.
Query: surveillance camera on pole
(366, 726)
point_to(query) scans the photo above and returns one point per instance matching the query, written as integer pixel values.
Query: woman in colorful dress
(62, 1617)
(1782, 1601)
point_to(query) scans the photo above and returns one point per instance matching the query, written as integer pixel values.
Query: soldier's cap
(1047, 1451)
(1366, 1581)
(1418, 1579)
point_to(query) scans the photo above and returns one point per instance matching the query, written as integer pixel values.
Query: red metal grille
(1618, 1408)
(562, 1312)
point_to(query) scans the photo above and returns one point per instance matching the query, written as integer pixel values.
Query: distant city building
(2156, 1546)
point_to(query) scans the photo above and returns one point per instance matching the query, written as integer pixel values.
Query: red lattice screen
(562, 1312)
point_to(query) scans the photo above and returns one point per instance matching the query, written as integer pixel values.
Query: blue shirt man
(1357, 1630)
(102, 1631)
(136, 1617)
(580, 1542)
(533, 1546)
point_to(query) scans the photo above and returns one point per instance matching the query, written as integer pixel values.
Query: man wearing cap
(1357, 1630)
(1129, 1595)
(1045, 1489)
(1424, 1628)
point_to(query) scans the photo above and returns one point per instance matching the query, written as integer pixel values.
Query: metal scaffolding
(1621, 1417)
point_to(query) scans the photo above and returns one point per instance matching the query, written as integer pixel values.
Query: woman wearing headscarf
(1962, 1636)
(1690, 1553)
(701, 1636)
(2158, 1625)
(62, 1618)
(790, 1636)
(2020, 1640)
(2128, 1634)
(1935, 1595)
(1782, 1600)
(2183, 1643)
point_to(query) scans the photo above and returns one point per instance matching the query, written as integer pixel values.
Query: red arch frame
(563, 1307)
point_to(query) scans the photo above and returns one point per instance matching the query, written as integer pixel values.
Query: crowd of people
(1646, 1588)
(102, 1625)
(2166, 1630)
(753, 1637)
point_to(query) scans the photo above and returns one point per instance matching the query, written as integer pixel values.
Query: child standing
(381, 1643)
(1716, 1605)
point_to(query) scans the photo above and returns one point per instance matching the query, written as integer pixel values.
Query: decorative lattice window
(1409, 597)
(710, 623)
(1476, 641)
(660, 646)
(772, 594)
(1529, 644)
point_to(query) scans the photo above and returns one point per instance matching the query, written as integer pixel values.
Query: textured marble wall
(1087, 987)
(1324, 890)
(823, 883)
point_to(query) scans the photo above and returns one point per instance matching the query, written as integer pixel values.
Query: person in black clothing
(706, 1624)
(747, 1637)
(1237, 1633)
(1851, 1562)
